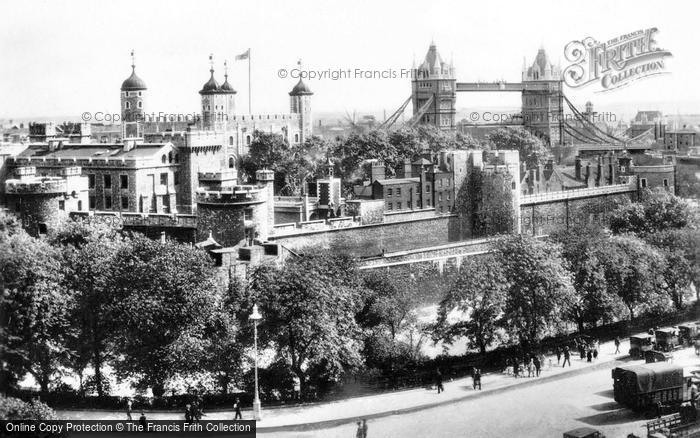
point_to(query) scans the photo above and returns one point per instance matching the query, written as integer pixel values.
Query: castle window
(163, 159)
(398, 206)
(108, 202)
(513, 185)
(80, 205)
(665, 182)
(125, 202)
(164, 179)
(91, 202)
(390, 206)
(124, 181)
(644, 183)
(127, 105)
(139, 93)
(389, 192)
(247, 140)
(248, 214)
(170, 157)
(61, 205)
(91, 181)
(140, 104)
(231, 163)
(439, 197)
(177, 158)
(176, 177)
(427, 188)
(108, 181)
(230, 141)
(398, 192)
(296, 138)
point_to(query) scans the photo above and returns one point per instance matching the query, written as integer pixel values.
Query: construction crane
(388, 123)
(421, 111)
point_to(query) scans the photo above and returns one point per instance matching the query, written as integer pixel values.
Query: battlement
(239, 195)
(224, 175)
(195, 138)
(253, 117)
(45, 186)
(76, 162)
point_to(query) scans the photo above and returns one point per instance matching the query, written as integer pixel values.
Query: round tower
(217, 100)
(133, 103)
(300, 103)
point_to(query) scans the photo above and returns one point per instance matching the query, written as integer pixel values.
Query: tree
(680, 247)
(634, 271)
(34, 310)
(268, 150)
(657, 211)
(164, 297)
(309, 308)
(539, 291)
(478, 295)
(14, 409)
(89, 251)
(593, 301)
(352, 151)
(518, 139)
(305, 162)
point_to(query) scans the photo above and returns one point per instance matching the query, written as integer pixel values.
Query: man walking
(567, 356)
(237, 408)
(557, 351)
(364, 428)
(477, 378)
(538, 365)
(359, 433)
(128, 409)
(617, 345)
(438, 381)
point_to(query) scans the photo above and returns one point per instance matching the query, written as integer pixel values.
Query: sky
(63, 58)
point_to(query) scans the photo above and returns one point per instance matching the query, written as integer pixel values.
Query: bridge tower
(434, 80)
(543, 99)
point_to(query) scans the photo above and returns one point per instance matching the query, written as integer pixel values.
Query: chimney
(407, 173)
(378, 171)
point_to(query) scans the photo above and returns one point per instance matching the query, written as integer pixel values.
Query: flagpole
(250, 111)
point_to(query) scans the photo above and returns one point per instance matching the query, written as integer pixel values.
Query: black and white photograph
(357, 219)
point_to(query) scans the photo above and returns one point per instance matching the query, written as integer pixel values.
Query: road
(544, 410)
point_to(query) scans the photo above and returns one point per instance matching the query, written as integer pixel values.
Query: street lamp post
(255, 317)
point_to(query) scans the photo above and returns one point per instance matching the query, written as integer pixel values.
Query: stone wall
(372, 240)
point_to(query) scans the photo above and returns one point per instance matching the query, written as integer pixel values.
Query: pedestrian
(567, 356)
(589, 355)
(143, 422)
(237, 408)
(536, 362)
(364, 428)
(582, 351)
(516, 368)
(595, 352)
(557, 351)
(617, 345)
(438, 381)
(188, 413)
(128, 409)
(530, 368)
(359, 432)
(297, 387)
(476, 377)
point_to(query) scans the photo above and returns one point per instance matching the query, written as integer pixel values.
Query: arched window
(80, 205)
(231, 163)
(140, 104)
(162, 159)
(170, 157)
(230, 141)
(127, 105)
(296, 138)
(247, 140)
(177, 158)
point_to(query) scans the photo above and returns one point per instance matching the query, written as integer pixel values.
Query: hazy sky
(61, 58)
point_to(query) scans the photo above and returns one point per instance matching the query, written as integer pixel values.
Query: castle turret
(218, 101)
(434, 81)
(542, 99)
(300, 103)
(133, 104)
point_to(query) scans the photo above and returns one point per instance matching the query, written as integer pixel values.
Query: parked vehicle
(583, 432)
(641, 343)
(688, 333)
(667, 338)
(649, 386)
(653, 356)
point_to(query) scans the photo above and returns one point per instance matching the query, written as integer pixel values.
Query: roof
(423, 161)
(209, 243)
(301, 89)
(433, 61)
(581, 432)
(654, 376)
(211, 86)
(391, 181)
(226, 87)
(133, 82)
(96, 151)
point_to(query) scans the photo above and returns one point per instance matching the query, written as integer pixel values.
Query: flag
(244, 55)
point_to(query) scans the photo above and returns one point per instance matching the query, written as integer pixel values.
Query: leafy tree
(657, 211)
(681, 249)
(89, 251)
(634, 271)
(519, 139)
(164, 297)
(309, 308)
(478, 294)
(14, 409)
(268, 150)
(539, 291)
(34, 310)
(352, 151)
(593, 301)
(305, 162)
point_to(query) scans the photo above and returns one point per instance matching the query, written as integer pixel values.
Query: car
(653, 356)
(584, 432)
(641, 343)
(666, 338)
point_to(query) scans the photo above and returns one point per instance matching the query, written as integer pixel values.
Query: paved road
(544, 410)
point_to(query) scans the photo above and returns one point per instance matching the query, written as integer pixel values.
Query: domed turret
(133, 82)
(226, 87)
(301, 89)
(133, 103)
